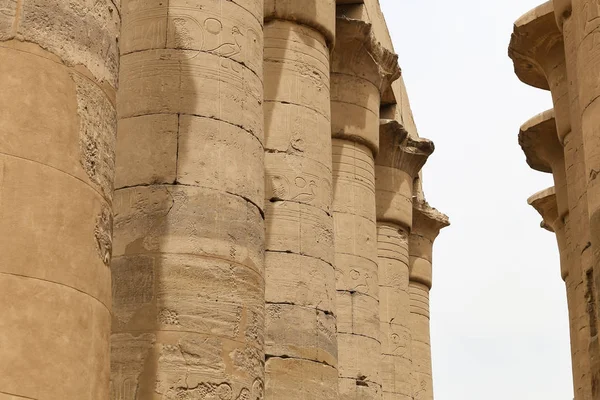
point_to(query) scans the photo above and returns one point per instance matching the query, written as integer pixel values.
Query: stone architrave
(397, 165)
(427, 223)
(361, 71)
(188, 262)
(300, 334)
(58, 74)
(538, 50)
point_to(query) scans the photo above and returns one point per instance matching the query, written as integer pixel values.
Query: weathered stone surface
(188, 270)
(57, 143)
(300, 279)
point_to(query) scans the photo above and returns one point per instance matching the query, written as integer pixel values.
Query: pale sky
(499, 313)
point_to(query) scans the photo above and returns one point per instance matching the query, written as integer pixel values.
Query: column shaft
(188, 265)
(360, 70)
(300, 336)
(397, 165)
(394, 310)
(58, 73)
(579, 225)
(427, 223)
(422, 378)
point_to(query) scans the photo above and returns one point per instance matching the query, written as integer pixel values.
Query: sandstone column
(539, 141)
(427, 223)
(188, 266)
(58, 74)
(397, 165)
(538, 50)
(545, 202)
(300, 335)
(361, 70)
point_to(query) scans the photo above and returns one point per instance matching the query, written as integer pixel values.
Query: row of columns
(554, 48)
(267, 242)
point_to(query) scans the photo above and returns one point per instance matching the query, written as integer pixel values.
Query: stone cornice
(538, 138)
(545, 204)
(397, 150)
(536, 46)
(317, 14)
(358, 53)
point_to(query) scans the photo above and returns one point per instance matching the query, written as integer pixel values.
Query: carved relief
(8, 11)
(103, 234)
(97, 134)
(591, 15)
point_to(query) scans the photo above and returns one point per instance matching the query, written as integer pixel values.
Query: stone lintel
(316, 14)
(398, 150)
(538, 138)
(545, 204)
(536, 46)
(358, 53)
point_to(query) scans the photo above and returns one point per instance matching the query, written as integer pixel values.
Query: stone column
(545, 203)
(427, 223)
(188, 282)
(361, 70)
(397, 165)
(538, 50)
(539, 141)
(300, 336)
(58, 74)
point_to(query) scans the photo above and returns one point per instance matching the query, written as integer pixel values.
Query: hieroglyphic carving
(103, 234)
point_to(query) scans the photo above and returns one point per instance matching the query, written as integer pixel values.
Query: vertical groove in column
(58, 73)
(361, 71)
(427, 223)
(188, 264)
(300, 333)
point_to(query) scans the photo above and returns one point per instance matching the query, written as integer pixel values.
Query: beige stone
(427, 223)
(362, 71)
(57, 142)
(261, 208)
(546, 58)
(188, 266)
(397, 166)
(301, 318)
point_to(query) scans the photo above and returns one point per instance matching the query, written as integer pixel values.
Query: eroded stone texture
(427, 223)
(397, 165)
(361, 71)
(545, 58)
(57, 141)
(188, 264)
(300, 331)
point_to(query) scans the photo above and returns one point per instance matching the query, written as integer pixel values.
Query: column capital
(538, 138)
(544, 203)
(358, 53)
(536, 46)
(427, 224)
(428, 221)
(400, 151)
(317, 14)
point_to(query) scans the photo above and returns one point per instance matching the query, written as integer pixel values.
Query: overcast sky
(499, 314)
